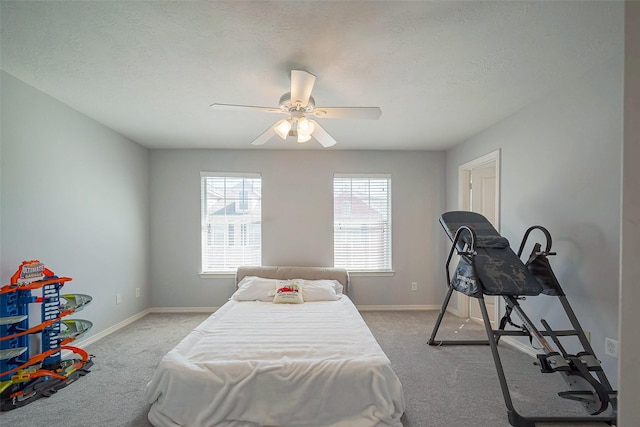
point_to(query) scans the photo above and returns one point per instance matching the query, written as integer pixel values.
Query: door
(479, 191)
(482, 195)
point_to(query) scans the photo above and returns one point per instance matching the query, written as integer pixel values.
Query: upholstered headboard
(308, 273)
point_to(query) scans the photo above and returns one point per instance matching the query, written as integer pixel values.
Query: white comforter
(264, 364)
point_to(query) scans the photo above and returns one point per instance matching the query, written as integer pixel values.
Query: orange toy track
(38, 358)
(39, 327)
(33, 285)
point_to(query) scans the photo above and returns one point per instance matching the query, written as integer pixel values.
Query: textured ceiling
(440, 71)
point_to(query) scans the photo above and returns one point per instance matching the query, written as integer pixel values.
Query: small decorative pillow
(289, 292)
(252, 288)
(320, 290)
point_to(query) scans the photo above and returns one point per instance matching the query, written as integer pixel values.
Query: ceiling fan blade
(265, 136)
(232, 107)
(301, 86)
(371, 113)
(322, 135)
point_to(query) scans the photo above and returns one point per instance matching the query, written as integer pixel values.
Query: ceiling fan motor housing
(287, 106)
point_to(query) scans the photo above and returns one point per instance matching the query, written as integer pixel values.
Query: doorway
(479, 191)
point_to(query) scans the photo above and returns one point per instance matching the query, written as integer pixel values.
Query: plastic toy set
(25, 377)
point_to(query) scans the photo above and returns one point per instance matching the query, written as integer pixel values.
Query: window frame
(241, 241)
(387, 268)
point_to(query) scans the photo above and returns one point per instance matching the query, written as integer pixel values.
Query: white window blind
(362, 222)
(231, 221)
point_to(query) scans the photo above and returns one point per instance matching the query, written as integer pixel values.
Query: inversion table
(488, 266)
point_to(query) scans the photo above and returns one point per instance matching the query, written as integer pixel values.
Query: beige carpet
(443, 386)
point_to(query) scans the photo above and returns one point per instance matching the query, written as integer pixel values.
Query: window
(231, 221)
(362, 222)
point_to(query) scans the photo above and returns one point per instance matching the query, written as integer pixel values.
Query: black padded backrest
(452, 221)
(498, 268)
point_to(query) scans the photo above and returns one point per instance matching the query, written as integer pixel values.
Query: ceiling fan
(298, 104)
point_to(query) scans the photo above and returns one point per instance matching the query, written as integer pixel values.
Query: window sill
(357, 273)
(353, 273)
(217, 275)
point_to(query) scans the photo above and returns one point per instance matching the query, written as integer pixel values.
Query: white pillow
(335, 284)
(252, 288)
(320, 290)
(289, 292)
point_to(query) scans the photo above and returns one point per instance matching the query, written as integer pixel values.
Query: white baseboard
(453, 311)
(510, 341)
(522, 347)
(183, 309)
(90, 340)
(84, 343)
(396, 307)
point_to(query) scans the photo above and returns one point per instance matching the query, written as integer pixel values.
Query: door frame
(464, 171)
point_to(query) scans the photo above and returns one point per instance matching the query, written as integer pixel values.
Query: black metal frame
(570, 366)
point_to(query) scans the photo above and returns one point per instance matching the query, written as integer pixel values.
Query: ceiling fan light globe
(282, 128)
(303, 138)
(305, 127)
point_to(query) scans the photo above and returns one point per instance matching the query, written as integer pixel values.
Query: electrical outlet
(414, 286)
(118, 298)
(611, 347)
(137, 292)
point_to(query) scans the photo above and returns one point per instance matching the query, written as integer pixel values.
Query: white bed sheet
(264, 364)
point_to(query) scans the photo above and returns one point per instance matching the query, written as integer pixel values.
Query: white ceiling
(440, 71)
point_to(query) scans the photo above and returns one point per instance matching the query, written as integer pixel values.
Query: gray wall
(561, 166)
(297, 211)
(75, 196)
(629, 289)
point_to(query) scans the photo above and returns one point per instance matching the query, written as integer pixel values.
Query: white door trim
(464, 171)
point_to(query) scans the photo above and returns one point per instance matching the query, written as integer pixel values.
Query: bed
(258, 363)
